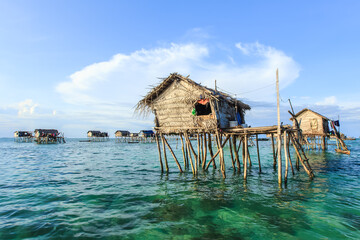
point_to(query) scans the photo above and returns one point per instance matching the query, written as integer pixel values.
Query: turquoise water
(114, 190)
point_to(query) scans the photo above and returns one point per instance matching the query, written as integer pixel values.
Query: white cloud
(328, 101)
(26, 108)
(110, 89)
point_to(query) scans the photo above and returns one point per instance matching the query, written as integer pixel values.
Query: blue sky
(80, 65)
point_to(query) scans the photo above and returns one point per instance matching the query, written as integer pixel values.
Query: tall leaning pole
(278, 128)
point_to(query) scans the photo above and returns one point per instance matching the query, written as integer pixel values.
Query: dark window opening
(203, 107)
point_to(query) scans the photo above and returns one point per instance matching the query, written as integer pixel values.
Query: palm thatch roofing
(47, 131)
(306, 109)
(144, 106)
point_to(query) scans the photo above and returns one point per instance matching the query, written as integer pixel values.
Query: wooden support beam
(273, 148)
(217, 152)
(188, 150)
(183, 149)
(204, 151)
(222, 162)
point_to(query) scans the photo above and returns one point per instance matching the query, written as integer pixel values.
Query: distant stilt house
(122, 135)
(23, 136)
(48, 136)
(147, 136)
(315, 130)
(97, 136)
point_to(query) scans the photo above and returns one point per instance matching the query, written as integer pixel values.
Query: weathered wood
(289, 155)
(218, 151)
(159, 150)
(258, 154)
(188, 150)
(222, 162)
(232, 156)
(245, 157)
(286, 156)
(183, 149)
(164, 150)
(236, 152)
(198, 150)
(210, 150)
(273, 148)
(204, 151)
(173, 154)
(278, 127)
(306, 165)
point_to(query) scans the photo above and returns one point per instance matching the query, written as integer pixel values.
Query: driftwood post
(159, 150)
(257, 150)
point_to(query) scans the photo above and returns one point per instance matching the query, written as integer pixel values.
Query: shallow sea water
(109, 190)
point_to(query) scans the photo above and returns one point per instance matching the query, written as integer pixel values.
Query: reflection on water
(110, 190)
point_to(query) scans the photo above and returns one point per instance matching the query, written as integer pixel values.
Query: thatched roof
(47, 131)
(306, 109)
(145, 105)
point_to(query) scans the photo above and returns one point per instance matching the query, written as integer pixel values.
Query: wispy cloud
(101, 88)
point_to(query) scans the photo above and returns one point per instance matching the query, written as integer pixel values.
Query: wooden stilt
(236, 154)
(232, 156)
(243, 151)
(286, 156)
(222, 162)
(159, 150)
(258, 154)
(210, 149)
(189, 153)
(173, 154)
(289, 155)
(183, 150)
(304, 161)
(204, 151)
(248, 153)
(273, 148)
(245, 157)
(164, 150)
(198, 150)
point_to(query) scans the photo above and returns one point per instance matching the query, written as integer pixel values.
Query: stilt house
(97, 136)
(146, 133)
(312, 123)
(180, 105)
(47, 136)
(23, 136)
(122, 133)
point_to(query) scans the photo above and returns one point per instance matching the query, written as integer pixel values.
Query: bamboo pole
(236, 154)
(173, 154)
(159, 150)
(232, 156)
(249, 158)
(245, 157)
(164, 150)
(191, 147)
(286, 156)
(257, 150)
